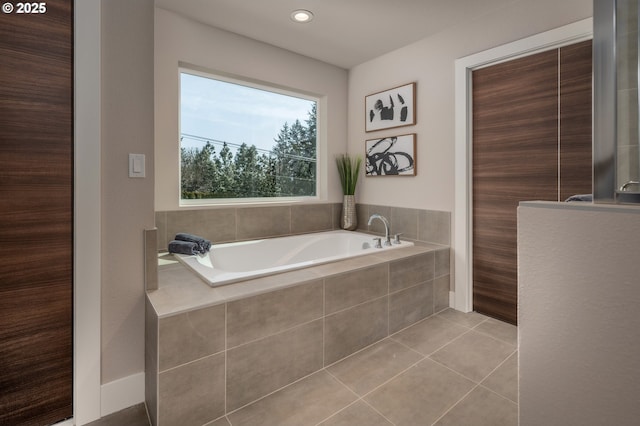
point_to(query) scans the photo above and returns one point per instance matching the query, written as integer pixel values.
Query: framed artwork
(391, 156)
(392, 108)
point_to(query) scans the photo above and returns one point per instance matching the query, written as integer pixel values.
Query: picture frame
(391, 156)
(391, 108)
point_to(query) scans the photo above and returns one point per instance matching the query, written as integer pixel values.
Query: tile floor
(449, 369)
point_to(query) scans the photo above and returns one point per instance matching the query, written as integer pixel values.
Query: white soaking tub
(239, 261)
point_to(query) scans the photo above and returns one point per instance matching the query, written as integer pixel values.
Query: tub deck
(180, 290)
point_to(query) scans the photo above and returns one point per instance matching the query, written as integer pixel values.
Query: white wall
(180, 40)
(579, 292)
(126, 203)
(430, 63)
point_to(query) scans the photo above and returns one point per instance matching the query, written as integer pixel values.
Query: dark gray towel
(203, 244)
(580, 197)
(183, 247)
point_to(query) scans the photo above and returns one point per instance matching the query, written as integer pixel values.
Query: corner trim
(87, 181)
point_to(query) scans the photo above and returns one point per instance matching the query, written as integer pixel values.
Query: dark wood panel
(575, 119)
(36, 223)
(515, 132)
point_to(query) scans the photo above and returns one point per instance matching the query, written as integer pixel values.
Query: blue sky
(236, 114)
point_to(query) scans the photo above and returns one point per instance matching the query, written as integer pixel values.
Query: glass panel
(628, 152)
(238, 141)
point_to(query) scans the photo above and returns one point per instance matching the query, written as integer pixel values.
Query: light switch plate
(136, 166)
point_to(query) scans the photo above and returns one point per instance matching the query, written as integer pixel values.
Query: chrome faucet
(387, 238)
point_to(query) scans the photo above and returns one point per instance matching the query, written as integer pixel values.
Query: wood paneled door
(531, 141)
(36, 213)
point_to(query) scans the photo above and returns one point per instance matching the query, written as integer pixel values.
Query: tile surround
(411, 271)
(270, 313)
(272, 339)
(311, 218)
(350, 330)
(193, 393)
(191, 335)
(261, 367)
(342, 313)
(226, 224)
(352, 288)
(386, 382)
(150, 259)
(262, 222)
(410, 305)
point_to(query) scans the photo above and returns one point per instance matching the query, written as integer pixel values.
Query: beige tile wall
(228, 224)
(217, 359)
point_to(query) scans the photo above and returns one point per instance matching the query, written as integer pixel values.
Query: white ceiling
(344, 32)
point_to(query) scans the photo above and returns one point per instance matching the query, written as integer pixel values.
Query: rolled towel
(580, 197)
(203, 244)
(183, 247)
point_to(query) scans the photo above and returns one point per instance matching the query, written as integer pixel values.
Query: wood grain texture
(531, 141)
(36, 215)
(576, 171)
(515, 133)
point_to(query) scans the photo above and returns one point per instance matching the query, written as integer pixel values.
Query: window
(241, 141)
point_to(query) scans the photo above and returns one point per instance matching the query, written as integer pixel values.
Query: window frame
(259, 85)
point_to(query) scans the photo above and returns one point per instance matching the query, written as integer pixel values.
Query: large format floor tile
(430, 335)
(499, 330)
(504, 380)
(420, 395)
(450, 369)
(357, 414)
(474, 355)
(482, 408)
(306, 402)
(371, 367)
(470, 319)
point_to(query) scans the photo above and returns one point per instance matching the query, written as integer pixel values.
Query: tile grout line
(494, 392)
(423, 357)
(484, 333)
(455, 404)
(274, 391)
(324, 316)
(469, 378)
(377, 411)
(278, 333)
(226, 352)
(358, 399)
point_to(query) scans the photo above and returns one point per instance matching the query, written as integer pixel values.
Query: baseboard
(122, 393)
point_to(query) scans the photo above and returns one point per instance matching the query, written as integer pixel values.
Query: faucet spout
(387, 238)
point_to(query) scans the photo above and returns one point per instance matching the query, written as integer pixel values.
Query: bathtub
(239, 261)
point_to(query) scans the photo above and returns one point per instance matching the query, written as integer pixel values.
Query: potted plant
(349, 171)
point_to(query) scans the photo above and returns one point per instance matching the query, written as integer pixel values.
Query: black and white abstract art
(391, 156)
(392, 108)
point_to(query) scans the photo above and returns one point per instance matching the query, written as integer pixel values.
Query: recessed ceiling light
(301, 16)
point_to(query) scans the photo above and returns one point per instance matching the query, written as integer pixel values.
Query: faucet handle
(396, 238)
(378, 243)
